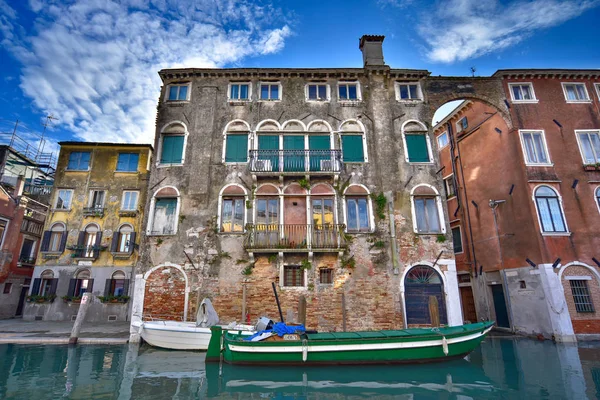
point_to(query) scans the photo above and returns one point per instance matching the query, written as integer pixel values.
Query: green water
(499, 369)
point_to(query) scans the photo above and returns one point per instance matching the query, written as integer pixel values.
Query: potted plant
(34, 298)
(591, 167)
(72, 299)
(114, 299)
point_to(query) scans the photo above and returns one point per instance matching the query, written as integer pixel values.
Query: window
(598, 196)
(172, 149)
(128, 162)
(522, 92)
(63, 199)
(232, 215)
(450, 187)
(236, 148)
(597, 86)
(239, 91)
(88, 242)
(96, 201)
(426, 209)
(358, 209)
(3, 227)
(352, 148)
(589, 144)
(270, 91)
(118, 285)
(326, 276)
(442, 140)
(575, 92)
(293, 276)
(123, 240)
(416, 146)
(45, 285)
(462, 124)
(81, 284)
(408, 91)
(457, 240)
(178, 92)
(130, 199)
(581, 296)
(534, 148)
(7, 288)
(79, 161)
(55, 239)
(317, 92)
(28, 250)
(164, 216)
(348, 91)
(550, 211)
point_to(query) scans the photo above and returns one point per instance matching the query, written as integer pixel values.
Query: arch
(545, 191)
(127, 226)
(294, 188)
(177, 127)
(58, 227)
(118, 274)
(163, 198)
(267, 125)
(294, 125)
(322, 189)
(356, 189)
(185, 277)
(166, 191)
(236, 142)
(414, 190)
(413, 122)
(423, 193)
(175, 153)
(92, 227)
(416, 141)
(319, 125)
(235, 197)
(267, 189)
(47, 274)
(443, 284)
(354, 198)
(234, 189)
(578, 264)
(237, 125)
(83, 273)
(351, 125)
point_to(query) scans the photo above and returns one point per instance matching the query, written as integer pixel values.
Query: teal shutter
(270, 145)
(236, 149)
(416, 145)
(293, 161)
(172, 150)
(352, 146)
(321, 143)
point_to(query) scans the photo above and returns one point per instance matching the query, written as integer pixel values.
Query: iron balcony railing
(295, 161)
(95, 211)
(269, 237)
(23, 260)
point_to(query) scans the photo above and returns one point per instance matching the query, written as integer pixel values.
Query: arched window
(598, 197)
(358, 209)
(118, 285)
(268, 217)
(427, 210)
(420, 284)
(123, 240)
(55, 239)
(172, 144)
(81, 284)
(235, 142)
(550, 210)
(164, 209)
(416, 142)
(45, 285)
(88, 243)
(232, 209)
(354, 142)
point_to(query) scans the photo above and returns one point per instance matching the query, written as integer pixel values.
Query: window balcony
(295, 162)
(96, 211)
(295, 238)
(26, 261)
(82, 251)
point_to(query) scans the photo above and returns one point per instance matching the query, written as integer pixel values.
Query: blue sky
(93, 63)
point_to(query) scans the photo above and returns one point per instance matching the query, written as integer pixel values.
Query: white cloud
(462, 29)
(94, 63)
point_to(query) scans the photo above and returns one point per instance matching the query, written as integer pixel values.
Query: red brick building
(524, 202)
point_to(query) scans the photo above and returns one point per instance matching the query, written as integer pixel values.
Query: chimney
(372, 51)
(19, 187)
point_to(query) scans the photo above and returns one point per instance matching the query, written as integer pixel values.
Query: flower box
(41, 299)
(591, 167)
(72, 299)
(114, 299)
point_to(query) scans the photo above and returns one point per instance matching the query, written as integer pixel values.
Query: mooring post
(302, 310)
(86, 299)
(344, 312)
(243, 302)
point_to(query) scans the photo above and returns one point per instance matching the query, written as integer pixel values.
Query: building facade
(523, 194)
(90, 240)
(322, 181)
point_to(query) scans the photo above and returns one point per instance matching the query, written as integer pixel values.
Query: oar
(277, 299)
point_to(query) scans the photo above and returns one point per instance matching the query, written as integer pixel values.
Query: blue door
(420, 283)
(500, 306)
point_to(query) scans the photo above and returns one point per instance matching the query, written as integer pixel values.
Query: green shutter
(269, 142)
(319, 142)
(416, 145)
(352, 146)
(172, 150)
(236, 149)
(293, 161)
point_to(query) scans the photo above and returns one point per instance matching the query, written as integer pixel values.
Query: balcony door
(294, 233)
(268, 153)
(320, 160)
(323, 223)
(267, 222)
(294, 155)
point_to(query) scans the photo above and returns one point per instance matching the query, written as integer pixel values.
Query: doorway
(420, 283)
(22, 296)
(500, 306)
(468, 304)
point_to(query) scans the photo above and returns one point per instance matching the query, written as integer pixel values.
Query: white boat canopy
(207, 315)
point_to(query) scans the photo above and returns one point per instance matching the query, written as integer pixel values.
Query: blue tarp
(280, 329)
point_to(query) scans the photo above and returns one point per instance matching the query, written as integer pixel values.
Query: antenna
(473, 69)
(49, 119)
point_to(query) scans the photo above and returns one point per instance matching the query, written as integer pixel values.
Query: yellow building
(90, 240)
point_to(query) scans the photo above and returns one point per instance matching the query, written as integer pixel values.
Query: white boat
(177, 335)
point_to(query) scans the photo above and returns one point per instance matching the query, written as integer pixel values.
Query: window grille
(581, 296)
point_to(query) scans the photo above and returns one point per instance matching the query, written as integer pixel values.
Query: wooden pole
(344, 312)
(302, 310)
(244, 303)
(277, 300)
(434, 311)
(86, 299)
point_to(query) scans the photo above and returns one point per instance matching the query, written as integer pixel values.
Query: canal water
(502, 368)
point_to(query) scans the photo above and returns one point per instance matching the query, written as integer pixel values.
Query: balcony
(295, 238)
(82, 251)
(295, 162)
(26, 261)
(96, 211)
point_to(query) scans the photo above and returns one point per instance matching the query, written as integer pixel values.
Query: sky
(92, 64)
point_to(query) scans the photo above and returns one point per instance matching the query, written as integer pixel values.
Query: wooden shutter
(81, 238)
(35, 289)
(63, 241)
(114, 245)
(53, 286)
(98, 243)
(72, 284)
(236, 149)
(172, 149)
(90, 286)
(126, 287)
(107, 287)
(416, 145)
(45, 241)
(131, 242)
(352, 147)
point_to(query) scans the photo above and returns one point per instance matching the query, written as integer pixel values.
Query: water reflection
(501, 368)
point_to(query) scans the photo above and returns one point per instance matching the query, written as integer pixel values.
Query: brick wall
(164, 295)
(583, 322)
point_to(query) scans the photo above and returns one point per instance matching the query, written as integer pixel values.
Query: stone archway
(421, 282)
(165, 293)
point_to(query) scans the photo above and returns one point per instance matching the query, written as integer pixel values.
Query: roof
(105, 144)
(553, 72)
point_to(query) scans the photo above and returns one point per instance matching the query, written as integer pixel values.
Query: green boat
(366, 347)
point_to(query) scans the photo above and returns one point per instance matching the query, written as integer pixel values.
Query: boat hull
(384, 347)
(175, 335)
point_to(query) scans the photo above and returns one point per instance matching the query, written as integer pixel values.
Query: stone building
(524, 200)
(323, 181)
(90, 239)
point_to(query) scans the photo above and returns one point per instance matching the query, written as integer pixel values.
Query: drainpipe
(393, 236)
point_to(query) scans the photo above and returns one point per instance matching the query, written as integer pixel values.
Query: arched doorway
(420, 283)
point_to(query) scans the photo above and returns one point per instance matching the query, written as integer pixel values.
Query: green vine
(304, 183)
(181, 218)
(380, 244)
(305, 264)
(348, 262)
(272, 258)
(248, 204)
(380, 203)
(159, 241)
(242, 261)
(248, 270)
(441, 238)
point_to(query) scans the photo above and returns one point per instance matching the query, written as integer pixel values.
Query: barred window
(581, 296)
(293, 275)
(326, 276)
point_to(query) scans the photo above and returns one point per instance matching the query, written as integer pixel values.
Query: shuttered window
(236, 148)
(172, 149)
(128, 162)
(352, 147)
(416, 146)
(79, 161)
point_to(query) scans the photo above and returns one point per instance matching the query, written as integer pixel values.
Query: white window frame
(459, 127)
(425, 132)
(446, 179)
(523, 148)
(152, 210)
(445, 133)
(586, 100)
(369, 208)
(462, 241)
(137, 199)
(512, 95)
(282, 277)
(562, 210)
(188, 94)
(91, 197)
(271, 84)
(328, 90)
(419, 91)
(5, 230)
(220, 208)
(34, 248)
(596, 197)
(160, 144)
(597, 87)
(56, 200)
(346, 83)
(239, 83)
(440, 208)
(577, 132)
